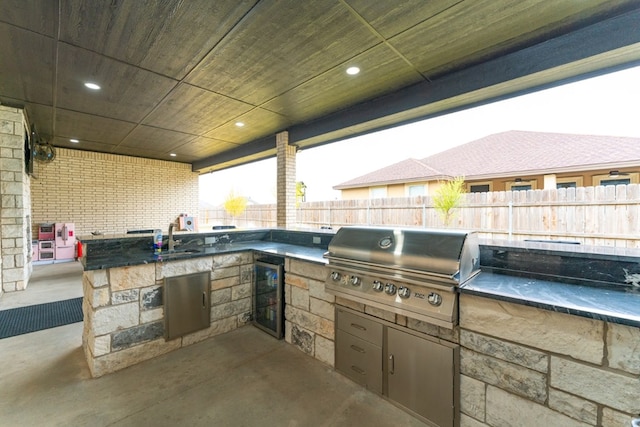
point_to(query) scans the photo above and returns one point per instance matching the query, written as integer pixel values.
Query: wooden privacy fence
(602, 216)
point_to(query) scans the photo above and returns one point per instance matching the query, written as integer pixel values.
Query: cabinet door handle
(358, 349)
(355, 325)
(358, 370)
(204, 300)
(391, 364)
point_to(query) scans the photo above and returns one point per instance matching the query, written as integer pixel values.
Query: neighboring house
(514, 160)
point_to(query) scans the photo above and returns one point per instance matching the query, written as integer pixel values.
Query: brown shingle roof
(510, 153)
(405, 171)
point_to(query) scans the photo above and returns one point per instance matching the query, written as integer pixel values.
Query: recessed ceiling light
(92, 86)
(239, 124)
(75, 141)
(352, 71)
(173, 154)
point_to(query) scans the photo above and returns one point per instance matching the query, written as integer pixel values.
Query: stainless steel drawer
(359, 360)
(360, 327)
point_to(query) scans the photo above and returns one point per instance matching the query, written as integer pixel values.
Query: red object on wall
(79, 250)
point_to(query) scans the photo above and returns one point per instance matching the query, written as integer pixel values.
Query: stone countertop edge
(614, 306)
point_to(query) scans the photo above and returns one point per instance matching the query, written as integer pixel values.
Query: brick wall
(286, 187)
(15, 243)
(111, 193)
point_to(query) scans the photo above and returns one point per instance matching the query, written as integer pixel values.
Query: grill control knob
(355, 281)
(335, 276)
(404, 292)
(390, 288)
(434, 299)
(378, 286)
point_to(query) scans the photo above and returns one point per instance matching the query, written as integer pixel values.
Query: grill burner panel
(412, 272)
(390, 293)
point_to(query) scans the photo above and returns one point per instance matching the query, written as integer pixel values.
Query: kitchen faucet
(172, 243)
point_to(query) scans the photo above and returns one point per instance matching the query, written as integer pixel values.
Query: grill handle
(391, 364)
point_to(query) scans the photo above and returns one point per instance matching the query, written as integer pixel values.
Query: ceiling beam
(226, 158)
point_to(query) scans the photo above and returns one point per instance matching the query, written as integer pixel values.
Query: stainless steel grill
(412, 272)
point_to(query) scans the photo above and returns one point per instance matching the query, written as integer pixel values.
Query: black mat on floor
(18, 321)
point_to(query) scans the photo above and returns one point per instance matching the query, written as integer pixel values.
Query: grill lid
(451, 253)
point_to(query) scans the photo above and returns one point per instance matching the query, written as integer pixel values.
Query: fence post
(424, 215)
(510, 218)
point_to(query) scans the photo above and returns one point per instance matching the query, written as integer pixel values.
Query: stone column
(15, 204)
(286, 203)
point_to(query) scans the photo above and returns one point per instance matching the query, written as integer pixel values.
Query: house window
(480, 188)
(416, 190)
(521, 185)
(618, 179)
(569, 182)
(378, 192)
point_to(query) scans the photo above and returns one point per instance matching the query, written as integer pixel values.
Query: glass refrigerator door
(268, 298)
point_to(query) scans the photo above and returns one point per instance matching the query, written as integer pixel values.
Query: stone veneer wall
(112, 193)
(124, 315)
(519, 365)
(15, 204)
(310, 312)
(527, 366)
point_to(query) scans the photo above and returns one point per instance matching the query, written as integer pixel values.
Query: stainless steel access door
(187, 304)
(422, 376)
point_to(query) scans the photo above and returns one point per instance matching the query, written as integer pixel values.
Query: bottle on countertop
(157, 241)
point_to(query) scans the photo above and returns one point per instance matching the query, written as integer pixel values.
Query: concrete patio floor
(48, 283)
(242, 378)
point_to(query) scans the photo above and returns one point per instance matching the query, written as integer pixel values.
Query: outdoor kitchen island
(532, 351)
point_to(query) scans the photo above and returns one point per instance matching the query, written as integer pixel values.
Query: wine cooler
(268, 296)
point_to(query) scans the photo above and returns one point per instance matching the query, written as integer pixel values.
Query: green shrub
(448, 197)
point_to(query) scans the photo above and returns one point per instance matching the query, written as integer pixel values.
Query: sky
(605, 105)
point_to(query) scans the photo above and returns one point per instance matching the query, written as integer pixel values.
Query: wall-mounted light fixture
(614, 173)
(518, 179)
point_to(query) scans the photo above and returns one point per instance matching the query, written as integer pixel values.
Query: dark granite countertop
(596, 283)
(609, 304)
(145, 257)
(122, 251)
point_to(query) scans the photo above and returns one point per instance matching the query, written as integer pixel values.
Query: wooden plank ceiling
(177, 76)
